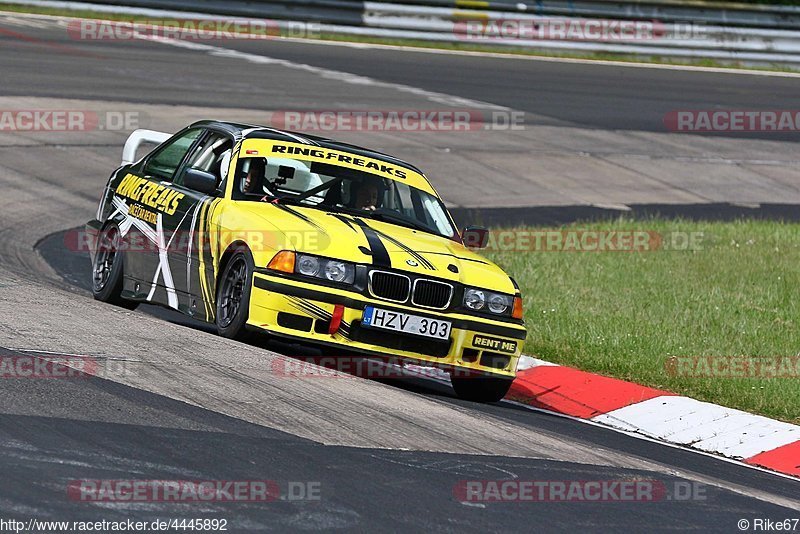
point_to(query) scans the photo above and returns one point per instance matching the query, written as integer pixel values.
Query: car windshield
(340, 189)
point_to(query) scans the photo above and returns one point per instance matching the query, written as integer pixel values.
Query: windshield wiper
(281, 199)
(338, 209)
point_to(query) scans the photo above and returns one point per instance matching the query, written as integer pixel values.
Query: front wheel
(480, 388)
(107, 269)
(233, 295)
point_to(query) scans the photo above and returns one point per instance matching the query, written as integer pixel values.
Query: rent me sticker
(495, 344)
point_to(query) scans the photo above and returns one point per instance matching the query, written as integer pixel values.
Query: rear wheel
(107, 269)
(233, 295)
(480, 388)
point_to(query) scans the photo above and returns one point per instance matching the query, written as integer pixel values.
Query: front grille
(432, 294)
(390, 286)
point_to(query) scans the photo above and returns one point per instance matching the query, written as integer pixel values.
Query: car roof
(252, 131)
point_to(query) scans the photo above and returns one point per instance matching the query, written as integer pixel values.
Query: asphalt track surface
(597, 96)
(386, 454)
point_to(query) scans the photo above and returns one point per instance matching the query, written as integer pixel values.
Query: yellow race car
(308, 239)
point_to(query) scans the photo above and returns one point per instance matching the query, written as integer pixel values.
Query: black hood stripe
(462, 258)
(300, 216)
(345, 220)
(380, 256)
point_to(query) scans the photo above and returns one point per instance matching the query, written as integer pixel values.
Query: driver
(367, 196)
(253, 182)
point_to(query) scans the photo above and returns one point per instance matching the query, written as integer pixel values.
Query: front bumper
(301, 310)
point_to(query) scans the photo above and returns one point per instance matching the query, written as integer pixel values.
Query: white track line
(341, 76)
(155, 13)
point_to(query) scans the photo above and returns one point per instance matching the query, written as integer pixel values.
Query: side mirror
(201, 181)
(475, 237)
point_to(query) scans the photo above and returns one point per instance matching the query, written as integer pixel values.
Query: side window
(211, 155)
(207, 156)
(165, 162)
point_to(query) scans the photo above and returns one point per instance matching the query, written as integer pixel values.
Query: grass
(626, 314)
(431, 45)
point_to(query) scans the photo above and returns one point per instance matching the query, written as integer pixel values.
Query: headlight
(336, 271)
(308, 265)
(487, 301)
(326, 269)
(474, 299)
(498, 303)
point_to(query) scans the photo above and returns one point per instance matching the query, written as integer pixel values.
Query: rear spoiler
(135, 141)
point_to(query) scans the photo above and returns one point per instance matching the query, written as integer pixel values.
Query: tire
(107, 269)
(480, 388)
(233, 295)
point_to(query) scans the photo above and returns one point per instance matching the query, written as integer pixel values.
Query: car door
(190, 256)
(149, 205)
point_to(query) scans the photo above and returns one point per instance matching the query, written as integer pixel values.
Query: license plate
(407, 323)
